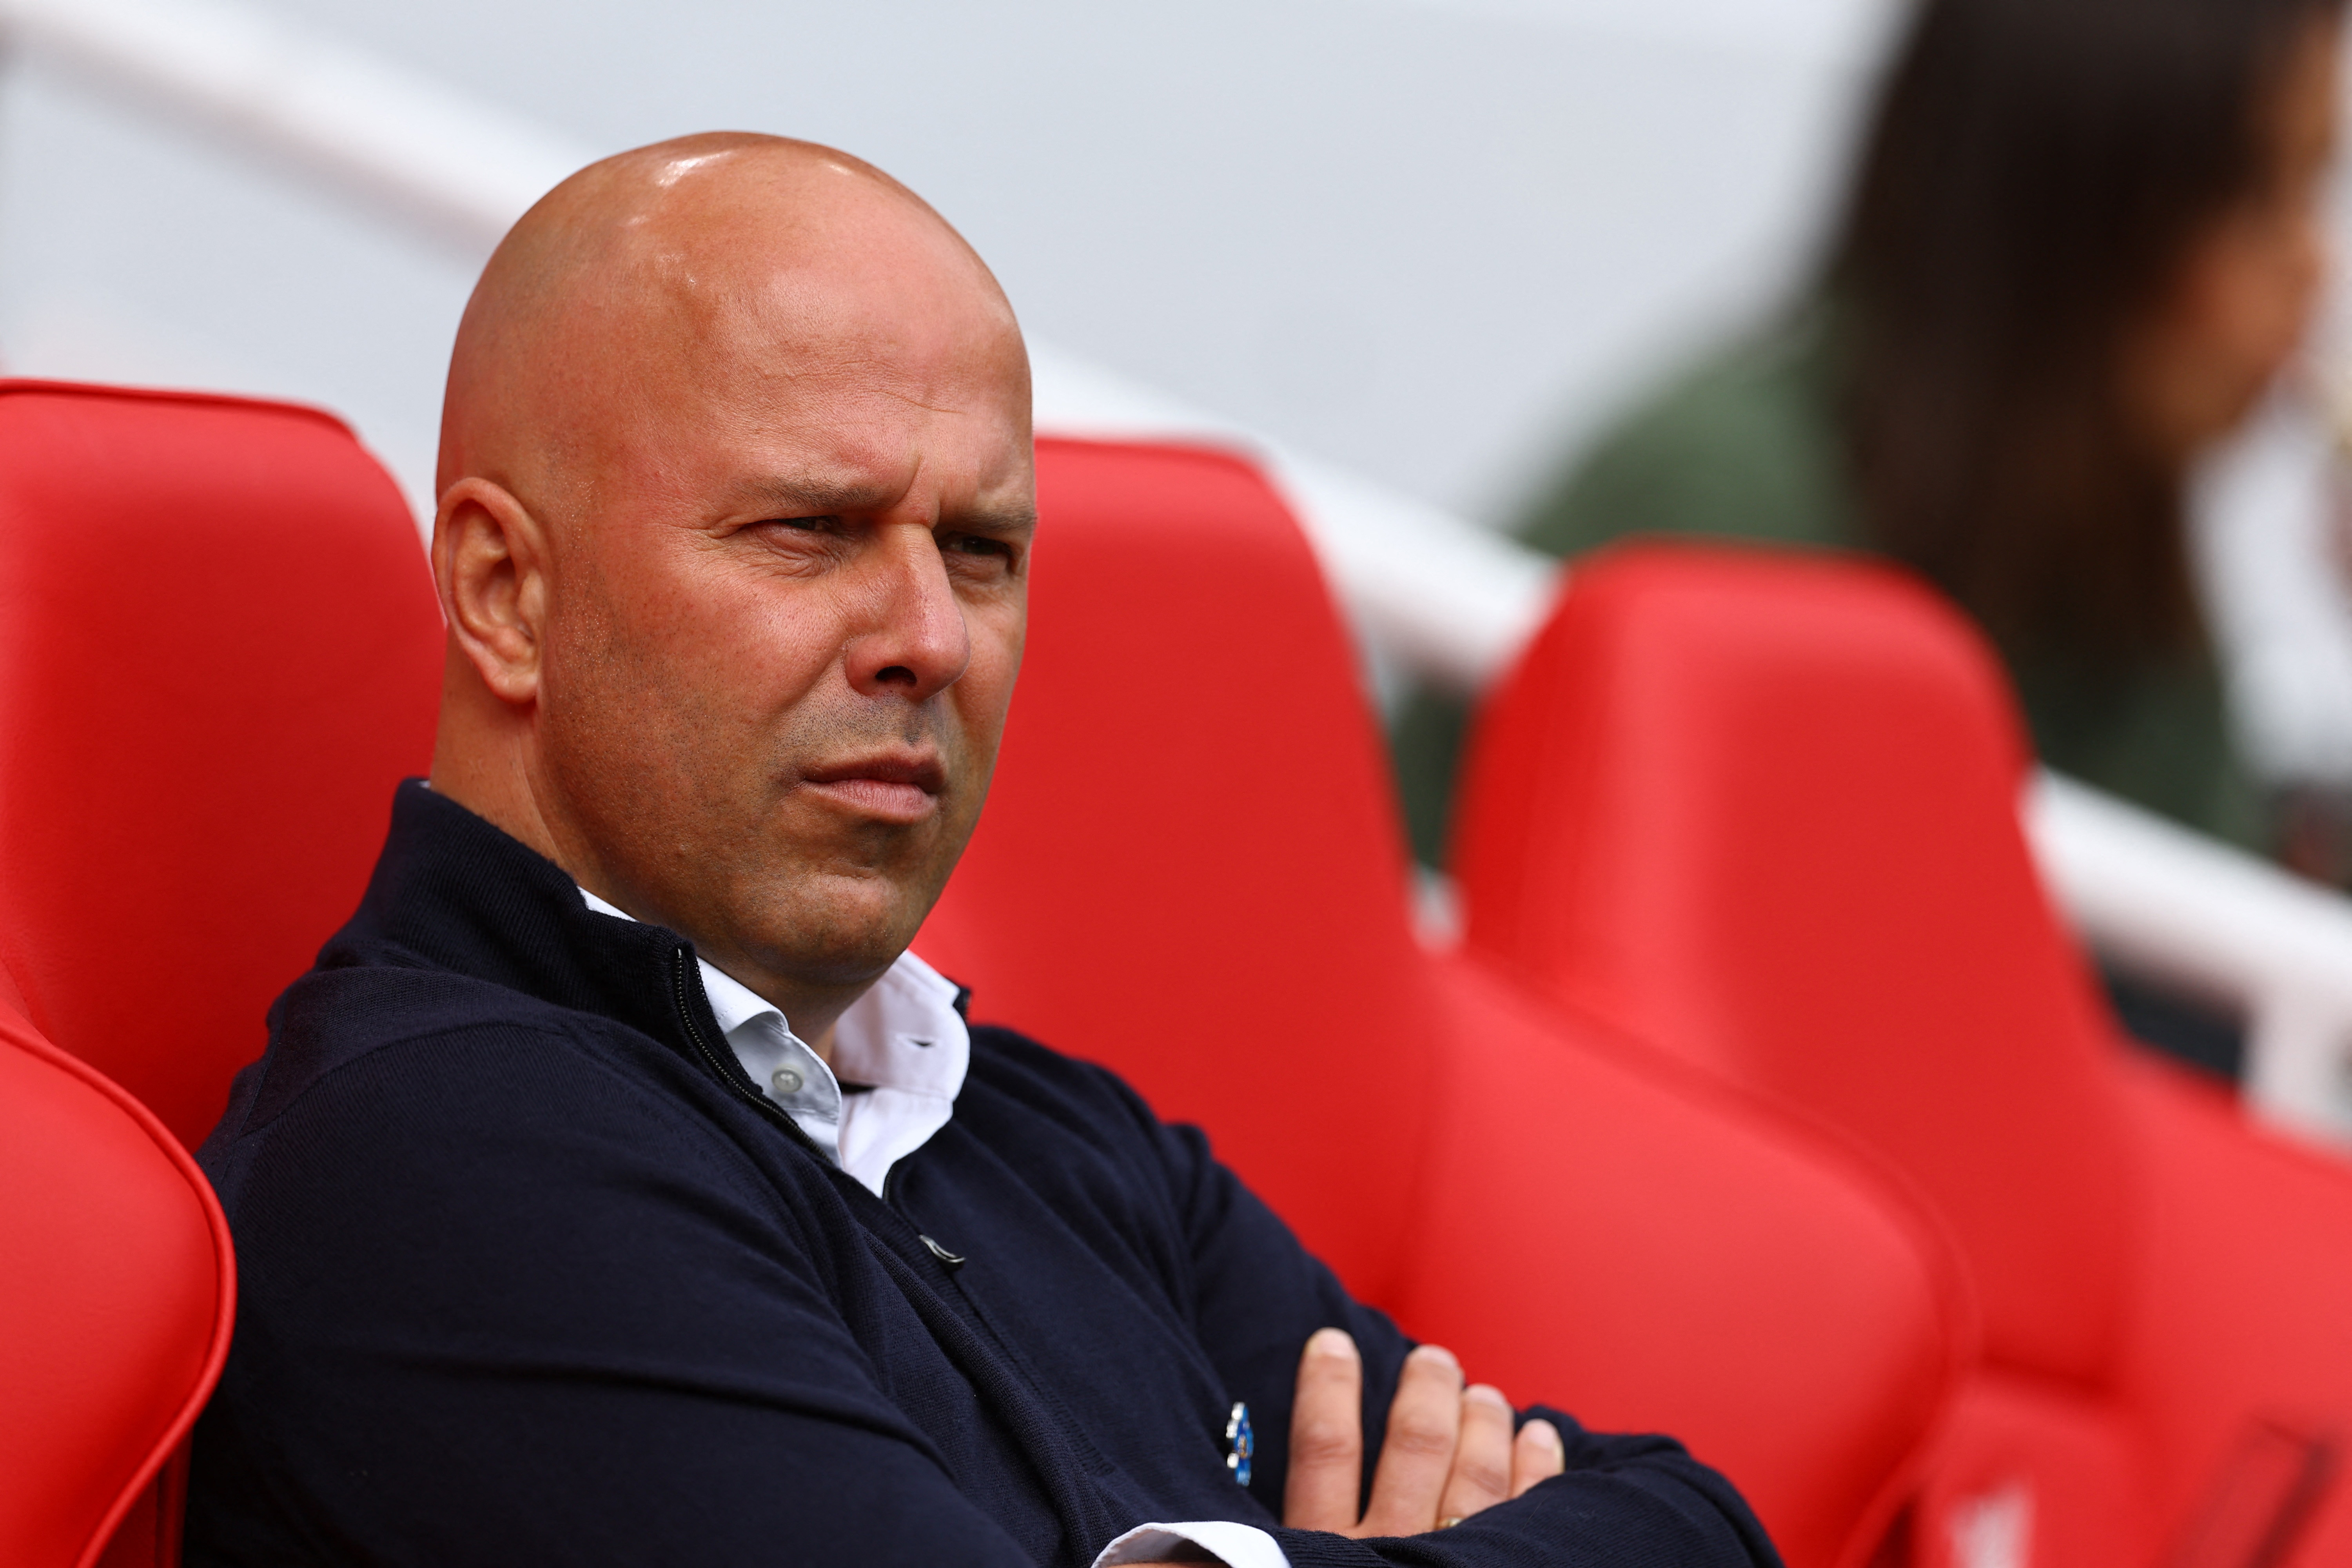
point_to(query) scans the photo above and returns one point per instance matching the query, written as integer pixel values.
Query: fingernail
(1436, 1354)
(1331, 1342)
(1546, 1433)
(1486, 1393)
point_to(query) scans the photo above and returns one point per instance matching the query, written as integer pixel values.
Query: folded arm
(1606, 1499)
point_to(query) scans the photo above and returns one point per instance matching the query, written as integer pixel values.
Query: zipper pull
(950, 1260)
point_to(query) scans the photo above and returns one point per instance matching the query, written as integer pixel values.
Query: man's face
(785, 616)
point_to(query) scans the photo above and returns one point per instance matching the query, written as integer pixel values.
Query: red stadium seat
(219, 649)
(1190, 869)
(117, 1291)
(1761, 809)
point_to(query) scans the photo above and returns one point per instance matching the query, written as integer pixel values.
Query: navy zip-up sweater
(530, 1273)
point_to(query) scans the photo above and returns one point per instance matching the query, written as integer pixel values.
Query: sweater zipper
(680, 969)
(1081, 1513)
(1081, 1509)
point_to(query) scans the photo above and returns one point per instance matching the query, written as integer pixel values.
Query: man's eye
(827, 524)
(977, 544)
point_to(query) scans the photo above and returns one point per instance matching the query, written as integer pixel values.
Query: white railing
(2160, 901)
(395, 140)
(1438, 594)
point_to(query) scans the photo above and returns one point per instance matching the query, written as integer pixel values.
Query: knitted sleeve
(1623, 1500)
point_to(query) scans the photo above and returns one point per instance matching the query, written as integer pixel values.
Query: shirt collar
(904, 1033)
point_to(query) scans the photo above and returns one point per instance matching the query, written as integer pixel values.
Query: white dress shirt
(906, 1049)
(902, 1045)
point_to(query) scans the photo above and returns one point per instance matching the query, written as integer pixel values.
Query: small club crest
(1240, 1443)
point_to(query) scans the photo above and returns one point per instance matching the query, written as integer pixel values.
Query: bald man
(618, 1188)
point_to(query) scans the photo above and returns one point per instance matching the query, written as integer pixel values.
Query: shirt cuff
(1235, 1545)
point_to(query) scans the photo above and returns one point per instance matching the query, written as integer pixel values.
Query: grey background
(1431, 241)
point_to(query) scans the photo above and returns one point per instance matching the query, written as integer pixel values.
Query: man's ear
(490, 564)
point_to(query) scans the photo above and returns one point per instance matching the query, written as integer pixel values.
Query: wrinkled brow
(817, 496)
(809, 495)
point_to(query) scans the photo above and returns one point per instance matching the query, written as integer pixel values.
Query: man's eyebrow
(1017, 518)
(812, 493)
(815, 495)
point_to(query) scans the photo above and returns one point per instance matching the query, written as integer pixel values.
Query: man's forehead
(771, 346)
(807, 418)
(769, 274)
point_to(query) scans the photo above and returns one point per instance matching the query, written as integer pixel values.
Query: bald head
(733, 535)
(723, 253)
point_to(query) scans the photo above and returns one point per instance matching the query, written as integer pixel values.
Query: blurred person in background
(2083, 239)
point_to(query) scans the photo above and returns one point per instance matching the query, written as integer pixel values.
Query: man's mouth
(892, 786)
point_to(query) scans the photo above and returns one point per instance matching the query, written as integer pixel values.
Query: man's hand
(1449, 1450)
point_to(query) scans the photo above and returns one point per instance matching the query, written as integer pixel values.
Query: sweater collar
(459, 893)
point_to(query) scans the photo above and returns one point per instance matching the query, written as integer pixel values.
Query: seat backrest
(1664, 1255)
(1190, 849)
(1190, 869)
(1761, 808)
(117, 1294)
(219, 649)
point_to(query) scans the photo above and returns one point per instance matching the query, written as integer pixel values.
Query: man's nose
(913, 642)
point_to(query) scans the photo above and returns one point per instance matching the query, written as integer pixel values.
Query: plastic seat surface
(117, 1292)
(1190, 869)
(171, 778)
(1761, 809)
(1656, 1256)
(2246, 1331)
(219, 650)
(1711, 804)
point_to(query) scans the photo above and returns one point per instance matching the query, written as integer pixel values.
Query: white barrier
(2161, 900)
(394, 139)
(1436, 593)
(1450, 600)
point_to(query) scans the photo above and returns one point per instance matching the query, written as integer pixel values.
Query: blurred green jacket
(1744, 446)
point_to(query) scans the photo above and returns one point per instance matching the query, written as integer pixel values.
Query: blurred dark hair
(2034, 175)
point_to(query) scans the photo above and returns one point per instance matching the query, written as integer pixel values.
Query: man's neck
(479, 763)
(813, 1029)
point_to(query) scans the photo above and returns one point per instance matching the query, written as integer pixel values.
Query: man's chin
(848, 939)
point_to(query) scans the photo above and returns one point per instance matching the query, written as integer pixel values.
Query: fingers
(1537, 1455)
(1448, 1453)
(1481, 1476)
(1424, 1421)
(1327, 1436)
